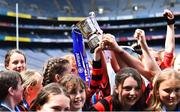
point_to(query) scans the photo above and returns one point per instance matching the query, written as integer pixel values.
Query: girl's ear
(29, 88)
(116, 89)
(57, 78)
(7, 67)
(11, 91)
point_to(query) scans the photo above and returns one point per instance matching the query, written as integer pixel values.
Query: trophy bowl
(90, 31)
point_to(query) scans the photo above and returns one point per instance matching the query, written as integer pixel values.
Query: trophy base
(93, 42)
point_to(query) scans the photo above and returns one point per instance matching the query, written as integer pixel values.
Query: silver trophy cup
(90, 31)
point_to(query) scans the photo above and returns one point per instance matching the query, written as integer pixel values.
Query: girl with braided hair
(54, 69)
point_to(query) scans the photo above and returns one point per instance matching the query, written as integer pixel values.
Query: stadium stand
(106, 8)
(45, 29)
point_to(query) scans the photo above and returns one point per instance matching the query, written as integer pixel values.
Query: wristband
(170, 21)
(97, 64)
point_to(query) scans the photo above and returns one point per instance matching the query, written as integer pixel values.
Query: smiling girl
(15, 60)
(128, 93)
(166, 91)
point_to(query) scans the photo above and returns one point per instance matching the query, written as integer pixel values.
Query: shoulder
(104, 104)
(2, 108)
(23, 106)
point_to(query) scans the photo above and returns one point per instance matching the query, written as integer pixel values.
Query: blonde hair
(71, 59)
(29, 78)
(166, 74)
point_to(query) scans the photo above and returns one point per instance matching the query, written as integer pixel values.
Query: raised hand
(140, 36)
(109, 42)
(169, 14)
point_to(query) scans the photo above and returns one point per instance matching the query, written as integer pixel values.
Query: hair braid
(54, 66)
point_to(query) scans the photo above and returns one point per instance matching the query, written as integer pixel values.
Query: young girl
(15, 60)
(32, 83)
(11, 90)
(166, 91)
(128, 93)
(55, 69)
(51, 98)
(76, 90)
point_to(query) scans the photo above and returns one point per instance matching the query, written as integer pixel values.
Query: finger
(137, 33)
(102, 43)
(108, 36)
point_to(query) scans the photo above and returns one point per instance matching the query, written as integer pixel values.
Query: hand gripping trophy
(90, 31)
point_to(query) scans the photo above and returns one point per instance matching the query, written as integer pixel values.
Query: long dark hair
(119, 79)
